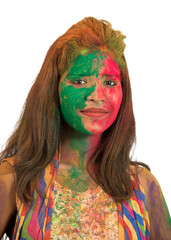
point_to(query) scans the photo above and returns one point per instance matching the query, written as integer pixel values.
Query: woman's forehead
(91, 63)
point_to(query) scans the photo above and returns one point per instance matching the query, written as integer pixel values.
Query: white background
(28, 28)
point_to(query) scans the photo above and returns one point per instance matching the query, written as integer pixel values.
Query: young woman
(66, 171)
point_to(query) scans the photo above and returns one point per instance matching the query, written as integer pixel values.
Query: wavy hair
(37, 134)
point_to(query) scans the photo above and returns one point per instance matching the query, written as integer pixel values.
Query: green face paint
(86, 65)
(73, 99)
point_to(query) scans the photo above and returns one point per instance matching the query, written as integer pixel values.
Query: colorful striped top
(105, 218)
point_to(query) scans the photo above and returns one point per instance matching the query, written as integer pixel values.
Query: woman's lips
(94, 112)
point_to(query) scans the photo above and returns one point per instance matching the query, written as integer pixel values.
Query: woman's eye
(79, 81)
(110, 83)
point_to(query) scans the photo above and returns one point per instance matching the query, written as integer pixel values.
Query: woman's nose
(97, 95)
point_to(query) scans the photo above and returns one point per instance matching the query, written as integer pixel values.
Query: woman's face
(90, 93)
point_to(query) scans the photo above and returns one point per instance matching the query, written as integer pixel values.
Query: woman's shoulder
(7, 195)
(7, 173)
(160, 222)
(7, 176)
(144, 176)
(7, 168)
(9, 162)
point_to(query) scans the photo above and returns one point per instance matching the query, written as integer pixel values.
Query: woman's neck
(76, 150)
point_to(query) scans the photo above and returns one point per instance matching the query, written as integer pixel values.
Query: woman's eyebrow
(82, 74)
(111, 75)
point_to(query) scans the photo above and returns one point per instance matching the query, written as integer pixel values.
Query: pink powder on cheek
(112, 103)
(113, 97)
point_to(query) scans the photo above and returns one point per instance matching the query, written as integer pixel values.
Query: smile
(95, 112)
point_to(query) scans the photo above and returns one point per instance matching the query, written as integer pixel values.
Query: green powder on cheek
(73, 99)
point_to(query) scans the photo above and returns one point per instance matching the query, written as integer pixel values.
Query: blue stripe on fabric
(147, 236)
(42, 182)
(42, 211)
(55, 163)
(48, 226)
(21, 238)
(126, 234)
(119, 213)
(138, 218)
(140, 195)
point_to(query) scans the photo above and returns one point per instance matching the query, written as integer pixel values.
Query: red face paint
(103, 104)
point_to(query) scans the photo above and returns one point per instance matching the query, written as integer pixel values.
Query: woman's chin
(96, 131)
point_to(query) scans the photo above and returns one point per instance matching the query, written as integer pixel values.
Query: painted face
(91, 93)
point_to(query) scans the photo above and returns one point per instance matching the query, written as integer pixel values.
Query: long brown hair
(38, 132)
